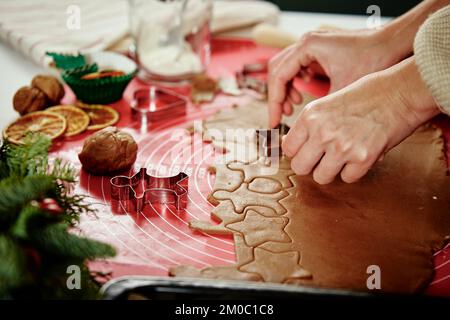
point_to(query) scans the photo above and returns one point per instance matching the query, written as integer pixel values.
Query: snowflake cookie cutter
(136, 191)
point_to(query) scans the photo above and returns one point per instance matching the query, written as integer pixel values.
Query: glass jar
(171, 38)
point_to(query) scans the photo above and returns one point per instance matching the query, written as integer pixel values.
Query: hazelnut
(50, 86)
(28, 99)
(107, 151)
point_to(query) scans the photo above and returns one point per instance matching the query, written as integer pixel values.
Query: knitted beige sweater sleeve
(432, 56)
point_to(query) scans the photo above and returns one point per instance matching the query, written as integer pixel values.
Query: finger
(352, 172)
(275, 112)
(276, 108)
(282, 74)
(295, 95)
(306, 158)
(276, 60)
(275, 63)
(363, 159)
(295, 138)
(287, 107)
(328, 168)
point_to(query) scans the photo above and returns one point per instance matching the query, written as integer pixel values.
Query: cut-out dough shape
(264, 185)
(225, 214)
(243, 197)
(260, 169)
(244, 255)
(226, 179)
(276, 267)
(258, 229)
(221, 272)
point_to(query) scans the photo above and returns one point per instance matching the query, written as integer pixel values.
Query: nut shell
(50, 86)
(108, 151)
(28, 99)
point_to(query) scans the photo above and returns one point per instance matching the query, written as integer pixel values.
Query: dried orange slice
(77, 119)
(100, 116)
(50, 124)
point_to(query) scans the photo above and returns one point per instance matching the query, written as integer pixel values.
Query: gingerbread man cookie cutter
(136, 191)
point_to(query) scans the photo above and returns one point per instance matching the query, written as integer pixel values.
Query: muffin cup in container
(103, 90)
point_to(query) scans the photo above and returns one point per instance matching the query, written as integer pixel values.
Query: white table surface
(16, 70)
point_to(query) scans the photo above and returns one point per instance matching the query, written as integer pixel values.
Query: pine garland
(36, 245)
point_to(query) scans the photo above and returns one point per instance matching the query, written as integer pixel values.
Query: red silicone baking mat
(152, 241)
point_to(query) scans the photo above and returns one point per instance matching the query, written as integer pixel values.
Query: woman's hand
(344, 56)
(347, 131)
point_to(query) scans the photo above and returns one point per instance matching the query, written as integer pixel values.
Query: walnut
(108, 151)
(50, 86)
(28, 99)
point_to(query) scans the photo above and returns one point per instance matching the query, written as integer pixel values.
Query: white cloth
(34, 27)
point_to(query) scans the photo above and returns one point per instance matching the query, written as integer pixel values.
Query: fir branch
(73, 206)
(25, 176)
(55, 240)
(13, 271)
(4, 170)
(62, 171)
(29, 158)
(26, 220)
(18, 192)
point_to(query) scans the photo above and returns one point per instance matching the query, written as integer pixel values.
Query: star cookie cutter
(268, 141)
(136, 191)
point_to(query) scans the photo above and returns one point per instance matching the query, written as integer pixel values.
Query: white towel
(34, 27)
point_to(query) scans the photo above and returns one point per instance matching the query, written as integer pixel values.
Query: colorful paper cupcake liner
(101, 91)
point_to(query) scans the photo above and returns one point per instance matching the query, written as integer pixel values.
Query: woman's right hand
(347, 131)
(342, 55)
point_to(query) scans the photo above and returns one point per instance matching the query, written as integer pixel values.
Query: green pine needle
(26, 220)
(55, 240)
(12, 267)
(29, 158)
(62, 171)
(19, 192)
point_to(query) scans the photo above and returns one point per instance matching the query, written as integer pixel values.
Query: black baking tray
(164, 288)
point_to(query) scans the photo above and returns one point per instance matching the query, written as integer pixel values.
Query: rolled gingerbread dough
(289, 229)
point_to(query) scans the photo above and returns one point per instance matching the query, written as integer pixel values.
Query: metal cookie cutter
(246, 78)
(154, 104)
(268, 141)
(136, 191)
